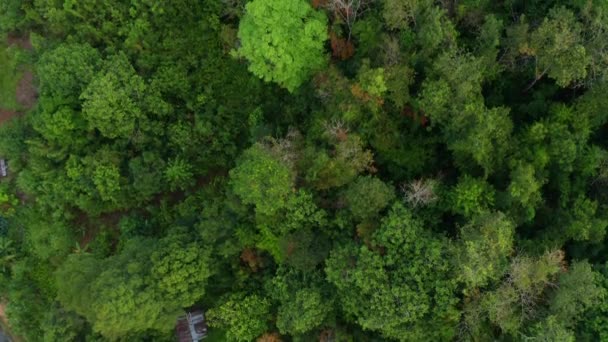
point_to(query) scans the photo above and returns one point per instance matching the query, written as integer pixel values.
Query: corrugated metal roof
(3, 168)
(182, 330)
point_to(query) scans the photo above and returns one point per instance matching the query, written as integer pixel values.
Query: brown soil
(4, 321)
(26, 92)
(23, 197)
(6, 114)
(23, 42)
(205, 180)
(88, 236)
(82, 220)
(93, 226)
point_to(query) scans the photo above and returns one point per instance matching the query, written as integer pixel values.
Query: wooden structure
(191, 327)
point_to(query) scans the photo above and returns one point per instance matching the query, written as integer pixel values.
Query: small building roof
(191, 327)
(3, 168)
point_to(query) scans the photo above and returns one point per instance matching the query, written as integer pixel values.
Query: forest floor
(4, 331)
(6, 114)
(25, 91)
(17, 91)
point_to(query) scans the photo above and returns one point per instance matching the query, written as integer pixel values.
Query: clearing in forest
(17, 91)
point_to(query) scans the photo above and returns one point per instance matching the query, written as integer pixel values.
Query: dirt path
(25, 91)
(6, 114)
(23, 42)
(3, 321)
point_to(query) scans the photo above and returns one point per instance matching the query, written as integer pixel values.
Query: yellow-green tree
(283, 40)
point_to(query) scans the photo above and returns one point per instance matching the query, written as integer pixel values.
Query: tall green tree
(181, 268)
(486, 244)
(243, 317)
(112, 101)
(367, 196)
(262, 180)
(558, 46)
(65, 71)
(283, 40)
(401, 285)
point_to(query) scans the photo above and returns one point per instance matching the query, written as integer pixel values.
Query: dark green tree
(401, 285)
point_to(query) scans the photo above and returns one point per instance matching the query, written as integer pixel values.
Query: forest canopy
(304, 170)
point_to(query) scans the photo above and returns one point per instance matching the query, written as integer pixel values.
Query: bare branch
(419, 192)
(348, 11)
(336, 129)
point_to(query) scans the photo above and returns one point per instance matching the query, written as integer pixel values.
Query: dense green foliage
(325, 170)
(283, 40)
